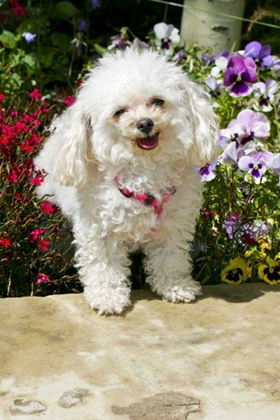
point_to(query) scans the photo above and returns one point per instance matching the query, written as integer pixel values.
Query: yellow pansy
(270, 272)
(235, 272)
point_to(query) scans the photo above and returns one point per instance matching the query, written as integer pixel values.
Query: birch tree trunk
(212, 30)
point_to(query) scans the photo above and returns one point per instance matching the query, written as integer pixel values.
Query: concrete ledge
(159, 361)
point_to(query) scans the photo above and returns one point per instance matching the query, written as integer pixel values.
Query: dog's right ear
(71, 141)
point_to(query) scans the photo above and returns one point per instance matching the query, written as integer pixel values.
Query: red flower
(2, 97)
(13, 176)
(42, 278)
(42, 109)
(69, 100)
(47, 208)
(247, 239)
(17, 9)
(43, 244)
(5, 242)
(35, 94)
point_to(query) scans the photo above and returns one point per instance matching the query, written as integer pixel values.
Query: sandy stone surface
(215, 359)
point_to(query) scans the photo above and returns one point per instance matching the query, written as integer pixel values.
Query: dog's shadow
(240, 293)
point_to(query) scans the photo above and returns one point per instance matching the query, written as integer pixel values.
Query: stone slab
(159, 361)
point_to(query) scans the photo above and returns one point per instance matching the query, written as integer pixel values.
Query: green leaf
(46, 57)
(28, 25)
(29, 60)
(65, 10)
(99, 49)
(8, 39)
(60, 40)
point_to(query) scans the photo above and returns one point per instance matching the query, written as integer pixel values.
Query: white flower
(220, 67)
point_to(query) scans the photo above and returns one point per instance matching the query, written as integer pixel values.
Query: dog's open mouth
(148, 143)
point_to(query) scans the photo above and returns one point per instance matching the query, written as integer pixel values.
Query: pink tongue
(148, 142)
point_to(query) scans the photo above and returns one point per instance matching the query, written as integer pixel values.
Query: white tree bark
(212, 30)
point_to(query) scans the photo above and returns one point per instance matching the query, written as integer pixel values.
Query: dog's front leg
(104, 270)
(168, 266)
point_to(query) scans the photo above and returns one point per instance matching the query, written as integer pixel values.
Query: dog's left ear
(204, 125)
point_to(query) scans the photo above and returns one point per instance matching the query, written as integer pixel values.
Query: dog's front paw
(185, 292)
(108, 301)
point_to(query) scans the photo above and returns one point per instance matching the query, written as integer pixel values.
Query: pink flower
(2, 97)
(35, 94)
(38, 180)
(35, 234)
(6, 243)
(47, 208)
(42, 278)
(43, 244)
(69, 100)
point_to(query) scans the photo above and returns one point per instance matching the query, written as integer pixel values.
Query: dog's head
(134, 106)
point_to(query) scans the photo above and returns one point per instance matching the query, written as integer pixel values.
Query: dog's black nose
(145, 125)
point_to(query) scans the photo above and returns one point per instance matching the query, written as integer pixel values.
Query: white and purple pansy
(274, 164)
(255, 165)
(167, 36)
(249, 126)
(207, 172)
(264, 93)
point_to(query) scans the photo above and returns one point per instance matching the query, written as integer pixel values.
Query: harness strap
(148, 199)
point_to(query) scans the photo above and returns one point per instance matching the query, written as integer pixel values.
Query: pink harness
(148, 199)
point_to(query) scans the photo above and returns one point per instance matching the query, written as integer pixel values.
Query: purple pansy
(255, 165)
(260, 54)
(207, 173)
(264, 92)
(240, 72)
(29, 37)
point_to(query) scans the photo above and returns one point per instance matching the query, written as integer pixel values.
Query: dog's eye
(119, 112)
(158, 102)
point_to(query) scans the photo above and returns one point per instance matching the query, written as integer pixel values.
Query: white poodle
(121, 164)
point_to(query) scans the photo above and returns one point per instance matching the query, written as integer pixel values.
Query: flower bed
(237, 237)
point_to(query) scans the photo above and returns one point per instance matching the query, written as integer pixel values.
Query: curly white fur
(91, 144)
